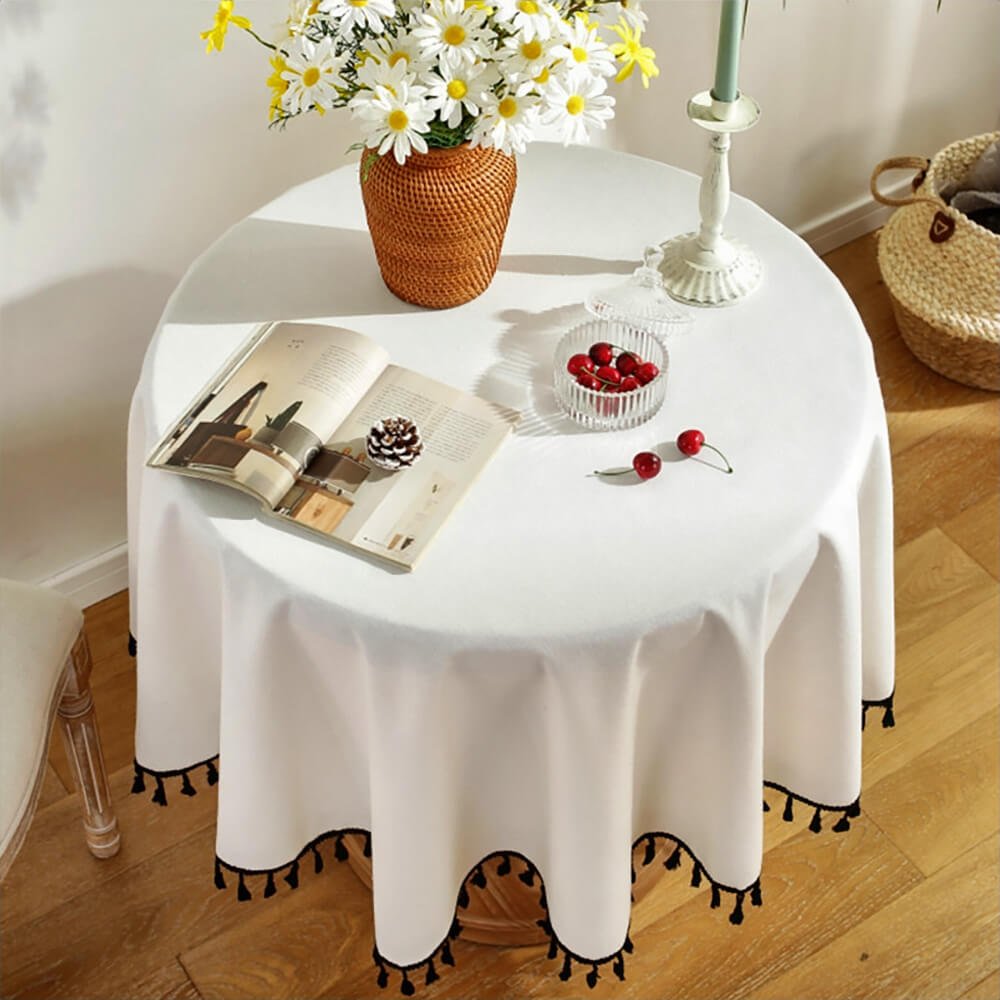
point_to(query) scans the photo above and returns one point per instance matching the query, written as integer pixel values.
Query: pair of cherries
(609, 368)
(647, 464)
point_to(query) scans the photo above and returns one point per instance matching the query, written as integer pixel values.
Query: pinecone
(394, 443)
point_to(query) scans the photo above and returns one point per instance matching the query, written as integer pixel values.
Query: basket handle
(920, 163)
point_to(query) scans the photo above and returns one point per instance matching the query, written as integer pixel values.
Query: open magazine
(287, 419)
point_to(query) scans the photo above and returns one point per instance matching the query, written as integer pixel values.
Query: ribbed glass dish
(609, 411)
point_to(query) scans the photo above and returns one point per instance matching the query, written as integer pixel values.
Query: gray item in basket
(980, 187)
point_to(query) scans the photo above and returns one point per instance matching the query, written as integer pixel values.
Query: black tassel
(340, 849)
(504, 867)
(592, 976)
(633, 875)
(133, 646)
(367, 850)
(406, 987)
(463, 897)
(788, 815)
(383, 977)
(864, 716)
(479, 878)
(854, 809)
(816, 823)
(220, 882)
(243, 893)
(567, 970)
(888, 719)
(446, 956)
(432, 976)
(186, 787)
(292, 878)
(696, 875)
(647, 858)
(455, 929)
(674, 860)
(213, 774)
(553, 948)
(317, 859)
(528, 876)
(716, 897)
(138, 782)
(160, 795)
(736, 917)
(767, 808)
(842, 824)
(270, 889)
(755, 897)
(618, 966)
(627, 946)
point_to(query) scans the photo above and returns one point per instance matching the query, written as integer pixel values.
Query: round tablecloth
(576, 662)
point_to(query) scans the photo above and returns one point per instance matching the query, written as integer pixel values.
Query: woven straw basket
(943, 270)
(438, 221)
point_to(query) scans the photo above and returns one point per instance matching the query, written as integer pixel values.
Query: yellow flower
(277, 83)
(631, 53)
(216, 35)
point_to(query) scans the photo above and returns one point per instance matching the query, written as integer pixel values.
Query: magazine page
(342, 495)
(266, 415)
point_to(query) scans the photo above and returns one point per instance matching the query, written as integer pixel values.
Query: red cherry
(579, 363)
(646, 372)
(588, 380)
(627, 362)
(601, 353)
(690, 441)
(629, 384)
(608, 374)
(647, 464)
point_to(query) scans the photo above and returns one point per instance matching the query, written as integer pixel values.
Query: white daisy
(311, 71)
(393, 49)
(506, 122)
(526, 59)
(533, 18)
(634, 14)
(581, 49)
(385, 73)
(393, 121)
(364, 14)
(453, 91)
(446, 30)
(301, 14)
(577, 104)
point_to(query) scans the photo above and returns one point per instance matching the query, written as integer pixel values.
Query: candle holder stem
(708, 268)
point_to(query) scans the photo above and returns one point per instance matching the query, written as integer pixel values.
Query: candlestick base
(718, 277)
(723, 116)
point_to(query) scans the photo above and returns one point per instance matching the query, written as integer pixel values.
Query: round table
(578, 665)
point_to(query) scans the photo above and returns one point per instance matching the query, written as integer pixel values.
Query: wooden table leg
(78, 724)
(506, 911)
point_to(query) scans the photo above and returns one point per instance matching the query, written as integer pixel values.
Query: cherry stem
(613, 472)
(728, 468)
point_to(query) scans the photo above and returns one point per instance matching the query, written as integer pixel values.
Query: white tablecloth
(575, 662)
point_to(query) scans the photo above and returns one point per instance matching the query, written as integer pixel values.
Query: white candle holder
(708, 268)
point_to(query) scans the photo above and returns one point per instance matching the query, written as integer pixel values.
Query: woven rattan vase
(942, 270)
(438, 221)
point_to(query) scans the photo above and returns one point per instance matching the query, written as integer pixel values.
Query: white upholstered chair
(44, 671)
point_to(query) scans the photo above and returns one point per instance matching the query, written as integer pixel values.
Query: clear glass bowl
(609, 411)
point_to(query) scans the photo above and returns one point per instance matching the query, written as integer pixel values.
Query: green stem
(250, 31)
(728, 468)
(613, 472)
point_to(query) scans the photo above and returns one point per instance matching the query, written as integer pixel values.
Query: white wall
(125, 150)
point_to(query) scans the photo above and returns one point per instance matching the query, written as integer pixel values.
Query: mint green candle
(727, 61)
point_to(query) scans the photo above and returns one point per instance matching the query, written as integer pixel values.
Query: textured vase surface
(438, 221)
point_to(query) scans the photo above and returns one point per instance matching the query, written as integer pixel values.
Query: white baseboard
(93, 580)
(834, 229)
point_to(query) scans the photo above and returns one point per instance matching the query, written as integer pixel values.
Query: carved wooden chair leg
(78, 723)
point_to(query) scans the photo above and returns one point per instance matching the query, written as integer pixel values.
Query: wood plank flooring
(905, 905)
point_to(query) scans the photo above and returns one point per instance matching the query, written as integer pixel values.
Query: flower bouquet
(463, 83)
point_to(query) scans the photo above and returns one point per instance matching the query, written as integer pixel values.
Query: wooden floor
(903, 905)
